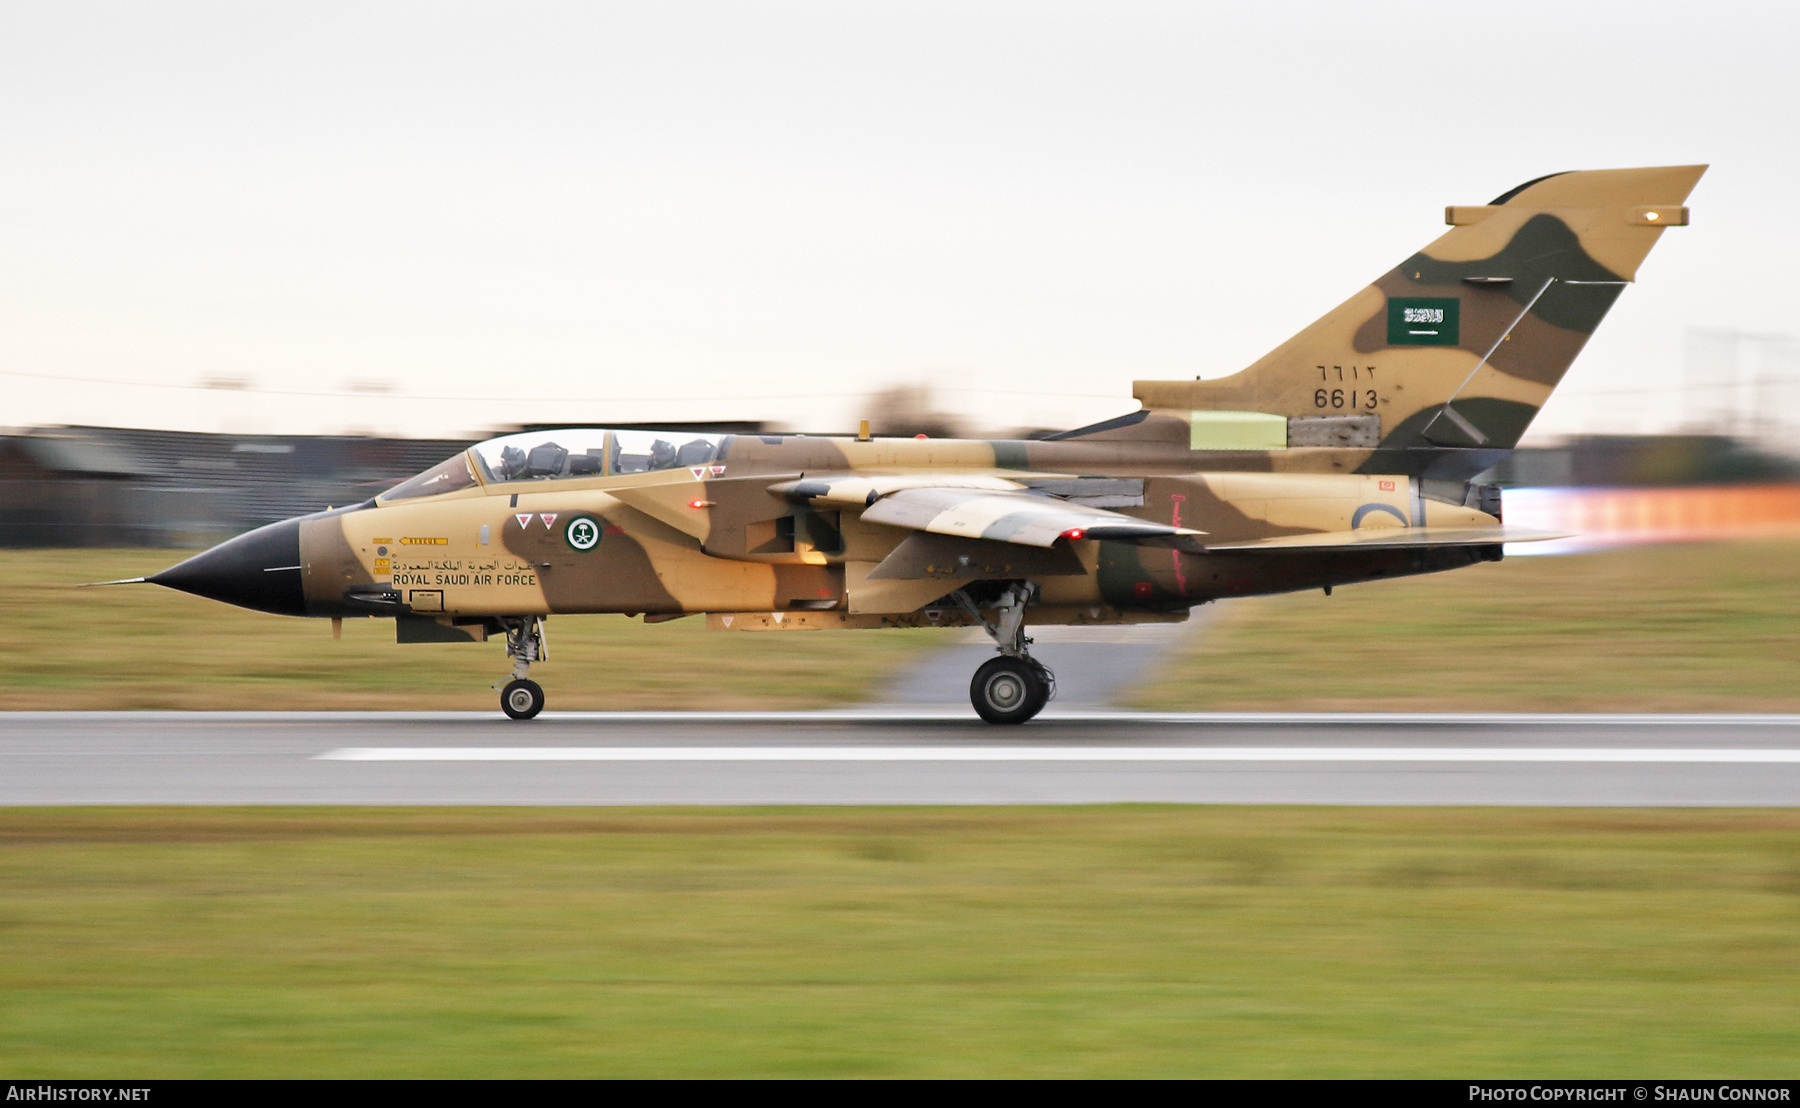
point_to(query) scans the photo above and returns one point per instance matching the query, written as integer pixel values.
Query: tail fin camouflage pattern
(1456, 348)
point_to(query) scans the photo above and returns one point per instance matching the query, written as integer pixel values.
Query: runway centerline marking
(1641, 755)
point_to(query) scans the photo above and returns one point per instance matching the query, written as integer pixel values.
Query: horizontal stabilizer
(1391, 537)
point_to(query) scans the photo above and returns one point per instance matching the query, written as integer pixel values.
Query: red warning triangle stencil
(549, 519)
(524, 519)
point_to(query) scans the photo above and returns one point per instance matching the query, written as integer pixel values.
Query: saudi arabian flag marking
(1423, 321)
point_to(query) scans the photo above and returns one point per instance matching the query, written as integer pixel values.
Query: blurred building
(1635, 461)
(104, 486)
(911, 409)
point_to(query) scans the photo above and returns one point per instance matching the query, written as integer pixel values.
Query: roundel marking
(583, 533)
(1362, 512)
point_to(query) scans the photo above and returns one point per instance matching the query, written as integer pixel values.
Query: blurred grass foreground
(1098, 941)
(1693, 627)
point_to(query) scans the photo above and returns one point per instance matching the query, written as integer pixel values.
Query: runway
(901, 755)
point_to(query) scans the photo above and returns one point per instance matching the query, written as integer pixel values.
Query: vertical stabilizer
(1459, 345)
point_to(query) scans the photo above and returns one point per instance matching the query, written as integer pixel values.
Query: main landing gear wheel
(522, 699)
(1009, 690)
(1015, 686)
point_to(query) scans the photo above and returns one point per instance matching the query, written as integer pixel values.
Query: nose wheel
(1013, 687)
(523, 698)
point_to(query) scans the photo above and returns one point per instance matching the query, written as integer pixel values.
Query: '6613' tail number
(1344, 398)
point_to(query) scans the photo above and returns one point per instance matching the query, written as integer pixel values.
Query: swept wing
(978, 506)
(1018, 517)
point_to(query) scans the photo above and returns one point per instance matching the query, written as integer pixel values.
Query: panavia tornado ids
(1350, 453)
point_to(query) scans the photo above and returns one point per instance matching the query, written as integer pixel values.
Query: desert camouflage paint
(1346, 454)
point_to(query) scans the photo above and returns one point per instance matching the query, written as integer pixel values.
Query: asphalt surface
(912, 755)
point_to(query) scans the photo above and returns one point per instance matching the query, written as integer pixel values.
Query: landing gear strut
(1013, 687)
(523, 698)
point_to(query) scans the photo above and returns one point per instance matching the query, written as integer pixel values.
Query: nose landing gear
(523, 698)
(1013, 687)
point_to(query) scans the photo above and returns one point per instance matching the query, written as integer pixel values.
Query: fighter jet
(1350, 453)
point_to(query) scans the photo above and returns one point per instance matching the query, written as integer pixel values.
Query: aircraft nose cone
(259, 569)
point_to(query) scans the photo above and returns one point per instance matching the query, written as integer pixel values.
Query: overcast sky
(595, 213)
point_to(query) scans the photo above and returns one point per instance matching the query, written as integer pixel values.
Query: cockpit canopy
(541, 455)
(553, 455)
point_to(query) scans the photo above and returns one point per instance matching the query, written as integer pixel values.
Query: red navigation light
(1073, 533)
(698, 503)
(921, 435)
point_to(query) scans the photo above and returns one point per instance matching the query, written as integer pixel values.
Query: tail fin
(1459, 345)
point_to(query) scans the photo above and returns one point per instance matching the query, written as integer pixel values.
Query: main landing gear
(522, 698)
(1013, 687)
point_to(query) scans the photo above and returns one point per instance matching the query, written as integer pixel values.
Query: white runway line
(1050, 754)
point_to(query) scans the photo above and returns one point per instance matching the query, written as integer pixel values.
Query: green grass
(1704, 627)
(1712, 627)
(140, 646)
(1145, 941)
